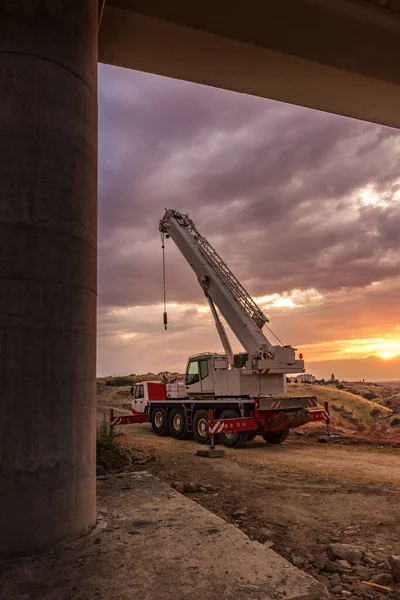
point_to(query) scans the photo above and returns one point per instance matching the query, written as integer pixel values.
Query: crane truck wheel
(276, 437)
(252, 435)
(177, 423)
(236, 439)
(200, 427)
(159, 421)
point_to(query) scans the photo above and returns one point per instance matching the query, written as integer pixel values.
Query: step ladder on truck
(224, 396)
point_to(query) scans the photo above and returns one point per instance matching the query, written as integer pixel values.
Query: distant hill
(383, 393)
(343, 405)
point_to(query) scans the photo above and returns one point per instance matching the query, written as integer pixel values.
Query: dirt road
(364, 464)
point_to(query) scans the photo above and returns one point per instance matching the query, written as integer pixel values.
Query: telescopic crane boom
(224, 291)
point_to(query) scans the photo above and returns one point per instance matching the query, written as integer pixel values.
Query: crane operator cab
(205, 373)
(209, 375)
(199, 380)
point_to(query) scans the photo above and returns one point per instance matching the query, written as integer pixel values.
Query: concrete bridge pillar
(48, 218)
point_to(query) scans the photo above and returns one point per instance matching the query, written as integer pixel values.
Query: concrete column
(48, 196)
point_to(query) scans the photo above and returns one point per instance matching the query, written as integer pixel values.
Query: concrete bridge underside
(338, 56)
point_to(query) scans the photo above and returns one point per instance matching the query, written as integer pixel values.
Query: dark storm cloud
(274, 188)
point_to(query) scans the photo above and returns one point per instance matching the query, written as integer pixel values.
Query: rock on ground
(394, 561)
(383, 579)
(353, 554)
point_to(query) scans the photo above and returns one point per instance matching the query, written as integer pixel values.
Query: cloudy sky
(303, 206)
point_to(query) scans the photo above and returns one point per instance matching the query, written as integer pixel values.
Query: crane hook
(165, 318)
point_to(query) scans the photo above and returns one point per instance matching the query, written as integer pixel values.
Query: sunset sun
(386, 354)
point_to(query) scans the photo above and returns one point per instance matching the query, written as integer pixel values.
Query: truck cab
(144, 392)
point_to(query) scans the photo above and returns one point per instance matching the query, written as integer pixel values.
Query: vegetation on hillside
(386, 394)
(120, 380)
(344, 405)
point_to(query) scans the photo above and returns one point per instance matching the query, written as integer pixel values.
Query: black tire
(276, 437)
(177, 423)
(200, 427)
(236, 439)
(159, 421)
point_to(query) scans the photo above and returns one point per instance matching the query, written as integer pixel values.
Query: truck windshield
(192, 373)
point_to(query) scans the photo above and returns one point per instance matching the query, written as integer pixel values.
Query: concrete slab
(152, 542)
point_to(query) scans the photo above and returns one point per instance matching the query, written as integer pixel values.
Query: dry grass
(348, 403)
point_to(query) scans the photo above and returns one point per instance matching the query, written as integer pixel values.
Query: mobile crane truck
(227, 396)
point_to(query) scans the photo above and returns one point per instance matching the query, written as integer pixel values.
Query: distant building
(303, 378)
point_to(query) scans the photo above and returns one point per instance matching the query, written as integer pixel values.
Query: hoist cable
(164, 281)
(274, 334)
